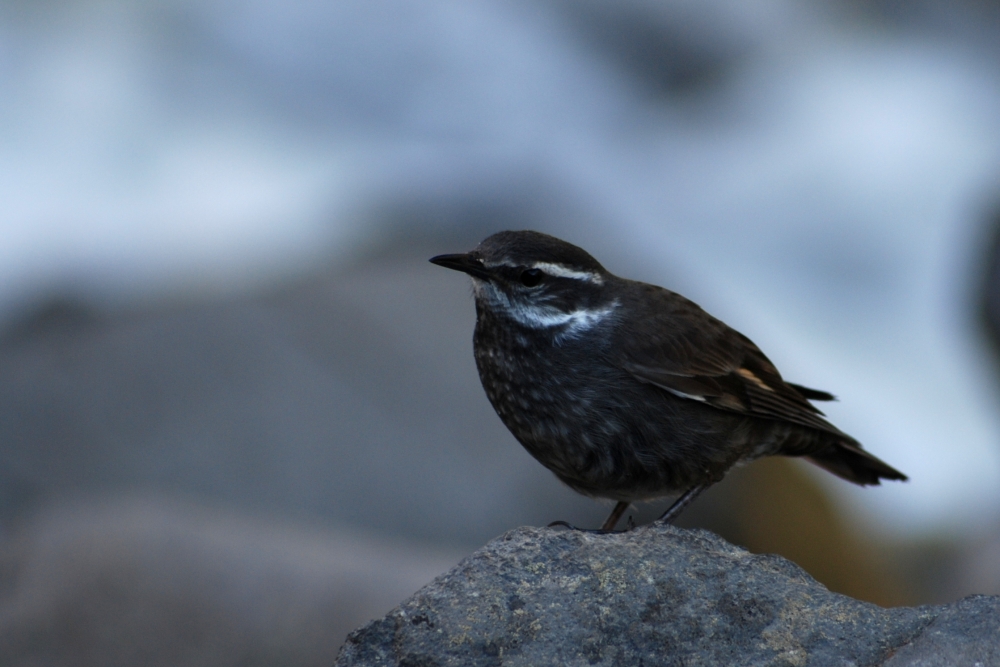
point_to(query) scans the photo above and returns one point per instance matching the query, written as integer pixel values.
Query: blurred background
(239, 413)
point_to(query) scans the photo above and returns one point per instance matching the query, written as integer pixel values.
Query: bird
(628, 391)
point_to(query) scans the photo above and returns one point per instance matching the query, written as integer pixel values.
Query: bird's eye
(531, 277)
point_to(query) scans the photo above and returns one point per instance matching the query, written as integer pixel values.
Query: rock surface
(658, 596)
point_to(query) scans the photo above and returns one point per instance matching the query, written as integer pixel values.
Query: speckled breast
(600, 431)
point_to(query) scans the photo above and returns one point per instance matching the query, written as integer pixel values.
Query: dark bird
(627, 390)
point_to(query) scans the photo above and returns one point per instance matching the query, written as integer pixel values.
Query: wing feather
(690, 354)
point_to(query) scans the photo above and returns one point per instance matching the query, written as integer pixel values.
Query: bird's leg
(615, 515)
(686, 499)
(672, 512)
(609, 525)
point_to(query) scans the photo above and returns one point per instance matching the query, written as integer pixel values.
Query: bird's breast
(591, 423)
(559, 400)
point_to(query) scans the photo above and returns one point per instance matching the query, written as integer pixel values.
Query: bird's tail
(849, 461)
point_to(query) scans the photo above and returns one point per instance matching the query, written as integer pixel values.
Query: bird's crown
(534, 250)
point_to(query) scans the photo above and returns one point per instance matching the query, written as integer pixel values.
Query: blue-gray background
(238, 410)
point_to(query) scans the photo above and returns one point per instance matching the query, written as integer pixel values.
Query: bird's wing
(683, 350)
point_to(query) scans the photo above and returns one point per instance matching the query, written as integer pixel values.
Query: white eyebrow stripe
(560, 271)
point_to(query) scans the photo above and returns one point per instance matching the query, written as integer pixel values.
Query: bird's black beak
(462, 262)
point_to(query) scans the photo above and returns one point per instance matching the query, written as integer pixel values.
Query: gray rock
(658, 596)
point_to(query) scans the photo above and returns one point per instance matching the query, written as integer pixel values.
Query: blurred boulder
(149, 581)
(351, 396)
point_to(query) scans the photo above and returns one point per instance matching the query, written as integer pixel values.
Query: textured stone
(657, 596)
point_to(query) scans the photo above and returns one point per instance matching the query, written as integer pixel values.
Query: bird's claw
(594, 531)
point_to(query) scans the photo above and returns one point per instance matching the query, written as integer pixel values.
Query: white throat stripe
(575, 322)
(560, 271)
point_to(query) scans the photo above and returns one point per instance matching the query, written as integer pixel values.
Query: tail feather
(848, 461)
(812, 394)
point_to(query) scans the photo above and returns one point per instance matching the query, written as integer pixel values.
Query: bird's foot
(593, 531)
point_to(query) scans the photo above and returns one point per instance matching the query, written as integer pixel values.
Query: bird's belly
(605, 434)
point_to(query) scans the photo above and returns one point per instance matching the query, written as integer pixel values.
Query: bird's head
(537, 281)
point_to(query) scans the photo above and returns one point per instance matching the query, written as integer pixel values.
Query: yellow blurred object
(773, 506)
